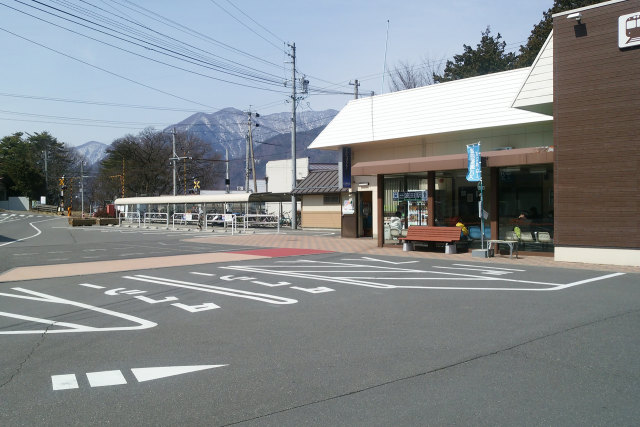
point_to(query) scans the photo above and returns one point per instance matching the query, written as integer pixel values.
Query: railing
(46, 208)
(184, 218)
(223, 219)
(261, 220)
(129, 216)
(156, 217)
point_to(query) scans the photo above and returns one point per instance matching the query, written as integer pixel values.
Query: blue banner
(474, 165)
(346, 167)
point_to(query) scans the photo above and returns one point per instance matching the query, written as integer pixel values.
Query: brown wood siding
(596, 132)
(320, 219)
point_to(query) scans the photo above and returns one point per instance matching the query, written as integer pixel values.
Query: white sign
(629, 30)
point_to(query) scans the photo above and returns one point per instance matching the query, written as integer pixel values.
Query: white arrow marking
(105, 378)
(148, 374)
(64, 382)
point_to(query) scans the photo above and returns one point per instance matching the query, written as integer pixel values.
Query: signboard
(474, 165)
(346, 167)
(629, 30)
(416, 195)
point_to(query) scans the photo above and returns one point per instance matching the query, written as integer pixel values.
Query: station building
(559, 143)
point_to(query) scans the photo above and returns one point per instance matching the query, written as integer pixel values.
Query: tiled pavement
(368, 246)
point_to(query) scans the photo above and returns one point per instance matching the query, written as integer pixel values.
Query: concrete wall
(15, 204)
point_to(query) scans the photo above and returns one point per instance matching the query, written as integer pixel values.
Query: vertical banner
(474, 166)
(346, 167)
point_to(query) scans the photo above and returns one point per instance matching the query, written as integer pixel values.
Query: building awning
(319, 182)
(516, 157)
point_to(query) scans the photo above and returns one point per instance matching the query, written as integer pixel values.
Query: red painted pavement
(281, 252)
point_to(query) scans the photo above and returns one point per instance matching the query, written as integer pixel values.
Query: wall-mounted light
(576, 16)
(363, 184)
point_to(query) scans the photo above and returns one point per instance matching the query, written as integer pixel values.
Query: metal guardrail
(261, 220)
(129, 216)
(152, 217)
(46, 208)
(223, 219)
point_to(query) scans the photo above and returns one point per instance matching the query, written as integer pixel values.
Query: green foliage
(541, 30)
(489, 56)
(22, 164)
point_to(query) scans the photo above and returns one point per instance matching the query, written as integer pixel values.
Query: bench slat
(432, 234)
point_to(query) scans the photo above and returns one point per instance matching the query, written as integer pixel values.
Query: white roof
(473, 103)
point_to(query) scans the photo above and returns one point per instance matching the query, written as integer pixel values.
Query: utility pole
(355, 85)
(227, 183)
(246, 164)
(294, 203)
(253, 160)
(174, 158)
(82, 188)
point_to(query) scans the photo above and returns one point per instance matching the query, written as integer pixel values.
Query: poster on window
(347, 206)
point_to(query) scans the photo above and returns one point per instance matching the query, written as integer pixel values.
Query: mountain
(227, 129)
(92, 151)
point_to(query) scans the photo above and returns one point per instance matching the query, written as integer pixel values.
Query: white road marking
(148, 374)
(105, 378)
(64, 382)
(488, 267)
(196, 308)
(30, 237)
(72, 327)
(202, 274)
(89, 285)
(271, 299)
(379, 260)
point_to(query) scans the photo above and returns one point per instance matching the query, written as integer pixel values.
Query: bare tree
(408, 76)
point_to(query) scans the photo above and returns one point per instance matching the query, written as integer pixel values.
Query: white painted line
(89, 285)
(202, 274)
(488, 267)
(271, 299)
(595, 279)
(379, 260)
(59, 252)
(483, 270)
(141, 323)
(30, 237)
(105, 378)
(148, 374)
(64, 382)
(26, 254)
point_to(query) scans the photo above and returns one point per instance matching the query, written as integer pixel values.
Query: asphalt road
(318, 339)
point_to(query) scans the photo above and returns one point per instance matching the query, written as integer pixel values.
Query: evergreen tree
(489, 56)
(542, 29)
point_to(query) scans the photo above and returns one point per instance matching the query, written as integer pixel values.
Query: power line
(104, 70)
(155, 47)
(244, 25)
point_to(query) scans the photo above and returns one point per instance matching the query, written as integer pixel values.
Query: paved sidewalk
(368, 246)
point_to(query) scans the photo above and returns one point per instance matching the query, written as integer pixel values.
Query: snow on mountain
(92, 151)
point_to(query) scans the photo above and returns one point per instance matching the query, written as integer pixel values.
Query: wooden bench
(418, 233)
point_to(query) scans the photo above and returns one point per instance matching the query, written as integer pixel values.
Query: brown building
(596, 86)
(558, 140)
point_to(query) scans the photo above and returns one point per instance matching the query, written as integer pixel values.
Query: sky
(102, 69)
